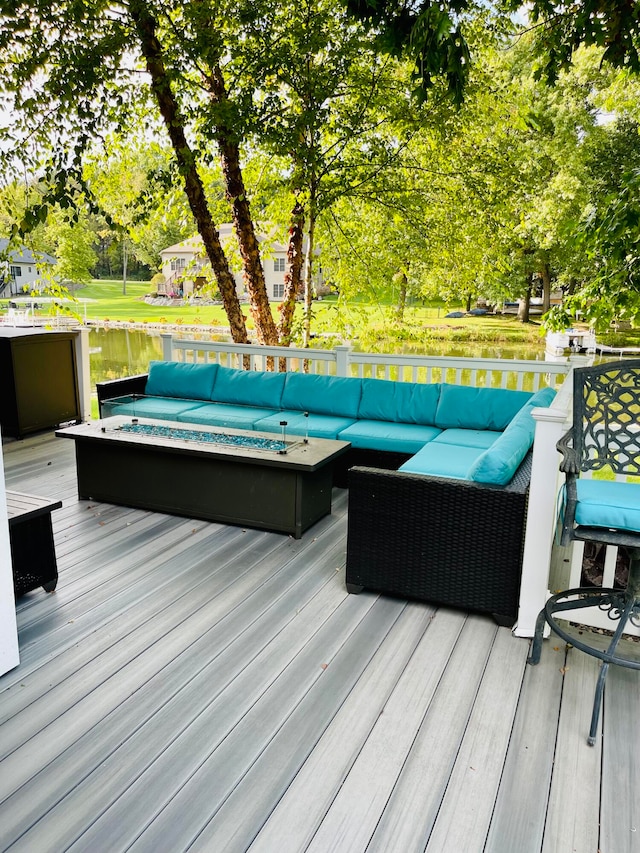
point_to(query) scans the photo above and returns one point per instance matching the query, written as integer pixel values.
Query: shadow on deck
(202, 687)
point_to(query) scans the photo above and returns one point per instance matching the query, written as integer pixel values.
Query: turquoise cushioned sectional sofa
(438, 474)
(476, 434)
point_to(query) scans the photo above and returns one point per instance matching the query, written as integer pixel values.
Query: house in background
(185, 265)
(21, 270)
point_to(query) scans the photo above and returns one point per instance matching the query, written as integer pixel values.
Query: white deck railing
(520, 374)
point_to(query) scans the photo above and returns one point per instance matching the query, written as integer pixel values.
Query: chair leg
(536, 645)
(597, 703)
(604, 669)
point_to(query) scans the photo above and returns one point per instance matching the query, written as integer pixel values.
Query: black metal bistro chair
(605, 437)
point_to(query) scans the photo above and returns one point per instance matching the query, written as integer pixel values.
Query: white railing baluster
(342, 361)
(610, 560)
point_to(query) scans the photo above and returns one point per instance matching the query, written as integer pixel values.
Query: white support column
(541, 518)
(167, 346)
(83, 366)
(9, 653)
(342, 360)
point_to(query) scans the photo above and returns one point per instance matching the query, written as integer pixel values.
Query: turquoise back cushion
(324, 395)
(179, 379)
(465, 407)
(248, 387)
(500, 462)
(402, 402)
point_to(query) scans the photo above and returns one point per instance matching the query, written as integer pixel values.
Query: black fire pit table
(252, 479)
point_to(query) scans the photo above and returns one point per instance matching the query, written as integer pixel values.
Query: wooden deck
(191, 686)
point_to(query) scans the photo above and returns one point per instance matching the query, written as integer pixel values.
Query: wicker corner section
(450, 542)
(110, 389)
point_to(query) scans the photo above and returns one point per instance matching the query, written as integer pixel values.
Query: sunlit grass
(374, 324)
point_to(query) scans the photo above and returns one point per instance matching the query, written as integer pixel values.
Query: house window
(278, 264)
(278, 291)
(178, 264)
(15, 272)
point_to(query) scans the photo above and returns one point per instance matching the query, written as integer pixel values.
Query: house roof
(194, 243)
(24, 255)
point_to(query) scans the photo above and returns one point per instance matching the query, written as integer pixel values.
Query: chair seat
(603, 436)
(606, 504)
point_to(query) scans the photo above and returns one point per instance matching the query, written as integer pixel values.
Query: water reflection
(122, 352)
(531, 352)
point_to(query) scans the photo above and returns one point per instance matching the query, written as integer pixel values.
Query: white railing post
(541, 517)
(167, 346)
(342, 360)
(9, 651)
(83, 368)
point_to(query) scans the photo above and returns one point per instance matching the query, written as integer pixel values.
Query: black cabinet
(38, 380)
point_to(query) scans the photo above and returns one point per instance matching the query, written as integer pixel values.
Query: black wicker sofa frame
(450, 542)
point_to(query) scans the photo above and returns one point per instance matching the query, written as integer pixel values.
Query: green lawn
(111, 304)
(374, 324)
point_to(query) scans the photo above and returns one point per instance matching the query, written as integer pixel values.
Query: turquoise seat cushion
(325, 395)
(501, 461)
(405, 402)
(442, 460)
(392, 437)
(248, 387)
(602, 503)
(320, 426)
(481, 438)
(179, 379)
(465, 407)
(225, 415)
(163, 408)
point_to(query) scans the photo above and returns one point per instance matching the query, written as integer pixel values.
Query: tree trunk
(146, 26)
(124, 266)
(545, 275)
(308, 279)
(402, 280)
(293, 284)
(469, 298)
(525, 304)
(247, 241)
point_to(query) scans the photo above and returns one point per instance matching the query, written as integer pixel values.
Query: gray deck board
(521, 804)
(193, 686)
(402, 744)
(295, 819)
(575, 829)
(465, 814)
(620, 810)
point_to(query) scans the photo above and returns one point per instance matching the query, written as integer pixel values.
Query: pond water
(121, 352)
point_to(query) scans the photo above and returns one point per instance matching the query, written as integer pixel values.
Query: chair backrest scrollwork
(606, 417)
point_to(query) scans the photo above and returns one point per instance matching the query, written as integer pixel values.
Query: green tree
(434, 34)
(77, 66)
(71, 241)
(324, 101)
(609, 288)
(130, 181)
